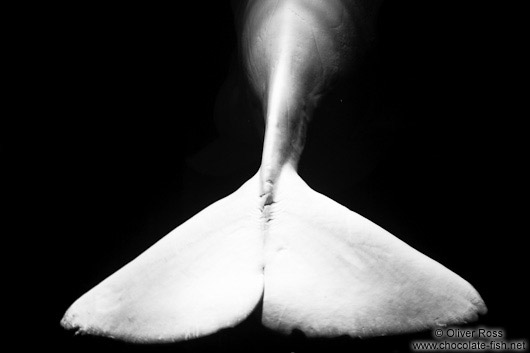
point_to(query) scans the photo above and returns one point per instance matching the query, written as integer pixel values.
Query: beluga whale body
(312, 264)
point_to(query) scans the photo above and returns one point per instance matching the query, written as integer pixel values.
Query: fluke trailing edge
(318, 266)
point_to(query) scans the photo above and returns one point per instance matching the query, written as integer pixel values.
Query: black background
(110, 103)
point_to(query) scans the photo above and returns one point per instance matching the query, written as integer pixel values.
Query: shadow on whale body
(250, 336)
(321, 269)
(275, 246)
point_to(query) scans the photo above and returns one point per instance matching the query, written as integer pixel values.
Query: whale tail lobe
(331, 272)
(205, 275)
(318, 266)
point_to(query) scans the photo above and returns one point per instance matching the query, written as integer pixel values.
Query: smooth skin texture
(318, 266)
(331, 272)
(205, 275)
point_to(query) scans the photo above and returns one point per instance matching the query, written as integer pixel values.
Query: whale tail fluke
(318, 266)
(205, 275)
(331, 272)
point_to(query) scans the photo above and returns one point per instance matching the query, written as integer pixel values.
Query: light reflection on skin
(316, 266)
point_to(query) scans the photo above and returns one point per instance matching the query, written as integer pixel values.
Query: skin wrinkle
(274, 10)
(297, 14)
(289, 51)
(318, 50)
(354, 277)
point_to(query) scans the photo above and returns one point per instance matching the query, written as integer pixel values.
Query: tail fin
(320, 267)
(331, 272)
(205, 275)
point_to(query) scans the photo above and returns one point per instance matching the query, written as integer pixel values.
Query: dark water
(124, 100)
